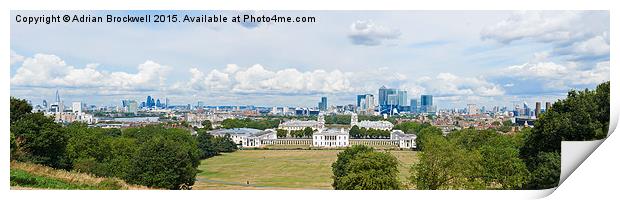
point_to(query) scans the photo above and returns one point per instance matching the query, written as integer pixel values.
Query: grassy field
(278, 169)
(32, 176)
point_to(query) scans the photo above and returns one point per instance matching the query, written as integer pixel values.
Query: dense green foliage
(361, 168)
(529, 159)
(212, 146)
(583, 115)
(445, 165)
(207, 125)
(355, 132)
(40, 140)
(425, 133)
(166, 161)
(261, 124)
(19, 108)
(152, 156)
(411, 127)
(281, 133)
(469, 159)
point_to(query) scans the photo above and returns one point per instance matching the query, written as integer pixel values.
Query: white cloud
(448, 84)
(578, 34)
(597, 45)
(558, 76)
(16, 58)
(538, 25)
(258, 79)
(370, 34)
(45, 70)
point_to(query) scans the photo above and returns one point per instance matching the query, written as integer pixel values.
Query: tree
(361, 168)
(371, 171)
(339, 167)
(205, 144)
(445, 165)
(355, 132)
(281, 133)
(582, 116)
(224, 144)
(501, 164)
(546, 171)
(422, 135)
(41, 140)
(308, 132)
(166, 161)
(411, 127)
(207, 125)
(19, 108)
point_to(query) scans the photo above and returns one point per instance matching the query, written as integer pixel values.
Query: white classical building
(378, 125)
(246, 137)
(404, 140)
(330, 138)
(295, 125)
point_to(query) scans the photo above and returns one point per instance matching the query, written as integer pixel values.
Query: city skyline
(482, 57)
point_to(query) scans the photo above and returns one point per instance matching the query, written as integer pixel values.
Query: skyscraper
(323, 104)
(390, 99)
(76, 107)
(426, 103)
(537, 109)
(365, 103)
(148, 101)
(414, 105)
(402, 98)
(547, 106)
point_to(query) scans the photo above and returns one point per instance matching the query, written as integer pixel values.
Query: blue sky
(460, 57)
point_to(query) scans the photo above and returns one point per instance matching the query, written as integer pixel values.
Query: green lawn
(278, 169)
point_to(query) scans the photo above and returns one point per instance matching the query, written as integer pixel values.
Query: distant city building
(365, 104)
(426, 103)
(132, 106)
(295, 125)
(323, 104)
(76, 107)
(537, 109)
(378, 125)
(526, 110)
(472, 109)
(413, 106)
(391, 100)
(547, 106)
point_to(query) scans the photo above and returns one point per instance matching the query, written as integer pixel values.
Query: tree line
(152, 156)
(362, 133)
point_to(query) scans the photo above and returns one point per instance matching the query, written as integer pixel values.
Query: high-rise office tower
(323, 104)
(414, 105)
(426, 103)
(537, 109)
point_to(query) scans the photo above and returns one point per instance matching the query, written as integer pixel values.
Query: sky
(486, 58)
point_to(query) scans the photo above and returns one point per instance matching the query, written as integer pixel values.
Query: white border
(596, 177)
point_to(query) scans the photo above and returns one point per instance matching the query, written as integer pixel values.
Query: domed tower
(353, 119)
(321, 120)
